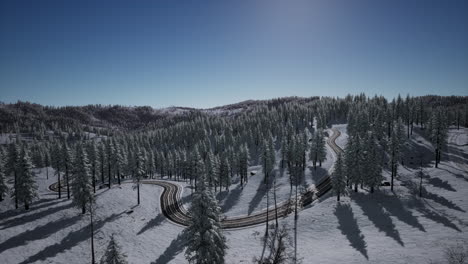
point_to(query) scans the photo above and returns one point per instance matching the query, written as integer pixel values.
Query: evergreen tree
(206, 242)
(353, 161)
(91, 151)
(113, 254)
(66, 161)
(82, 182)
(139, 172)
(372, 169)
(396, 142)
(3, 186)
(56, 164)
(12, 169)
(438, 129)
(26, 185)
(338, 177)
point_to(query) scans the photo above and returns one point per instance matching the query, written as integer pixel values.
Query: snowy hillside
(383, 227)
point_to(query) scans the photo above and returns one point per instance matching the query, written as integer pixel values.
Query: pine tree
(91, 151)
(396, 142)
(438, 133)
(113, 254)
(56, 164)
(12, 169)
(372, 169)
(82, 186)
(338, 177)
(353, 161)
(66, 161)
(3, 186)
(206, 242)
(139, 172)
(26, 185)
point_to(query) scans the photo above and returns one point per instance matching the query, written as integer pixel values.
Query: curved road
(172, 208)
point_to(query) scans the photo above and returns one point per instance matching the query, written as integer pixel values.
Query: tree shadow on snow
(261, 191)
(43, 203)
(395, 207)
(441, 200)
(68, 242)
(152, 223)
(230, 198)
(427, 213)
(436, 182)
(377, 215)
(457, 175)
(34, 216)
(176, 246)
(348, 225)
(39, 232)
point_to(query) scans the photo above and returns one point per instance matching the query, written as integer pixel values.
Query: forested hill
(26, 117)
(34, 117)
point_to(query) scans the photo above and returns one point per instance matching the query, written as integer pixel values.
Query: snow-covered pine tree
(3, 186)
(139, 172)
(56, 164)
(353, 162)
(243, 163)
(338, 177)
(438, 132)
(26, 185)
(321, 147)
(109, 147)
(318, 151)
(12, 169)
(82, 187)
(91, 152)
(206, 243)
(66, 161)
(397, 139)
(114, 253)
(101, 155)
(372, 169)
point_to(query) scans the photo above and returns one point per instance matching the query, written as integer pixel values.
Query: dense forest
(94, 146)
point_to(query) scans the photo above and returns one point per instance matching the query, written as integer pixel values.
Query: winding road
(171, 205)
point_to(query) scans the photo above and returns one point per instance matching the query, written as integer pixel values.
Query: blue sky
(210, 53)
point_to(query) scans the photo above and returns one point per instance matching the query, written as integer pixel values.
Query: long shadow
(455, 158)
(436, 182)
(35, 206)
(348, 225)
(32, 217)
(427, 213)
(37, 233)
(261, 191)
(395, 207)
(458, 175)
(71, 240)
(152, 223)
(377, 216)
(441, 200)
(231, 199)
(176, 246)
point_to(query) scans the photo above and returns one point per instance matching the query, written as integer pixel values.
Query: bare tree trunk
(16, 190)
(93, 261)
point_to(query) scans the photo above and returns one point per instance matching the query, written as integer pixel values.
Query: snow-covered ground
(383, 227)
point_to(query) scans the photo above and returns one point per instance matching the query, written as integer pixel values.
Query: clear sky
(208, 53)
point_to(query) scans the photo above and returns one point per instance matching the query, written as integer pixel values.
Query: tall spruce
(26, 189)
(82, 187)
(206, 243)
(338, 177)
